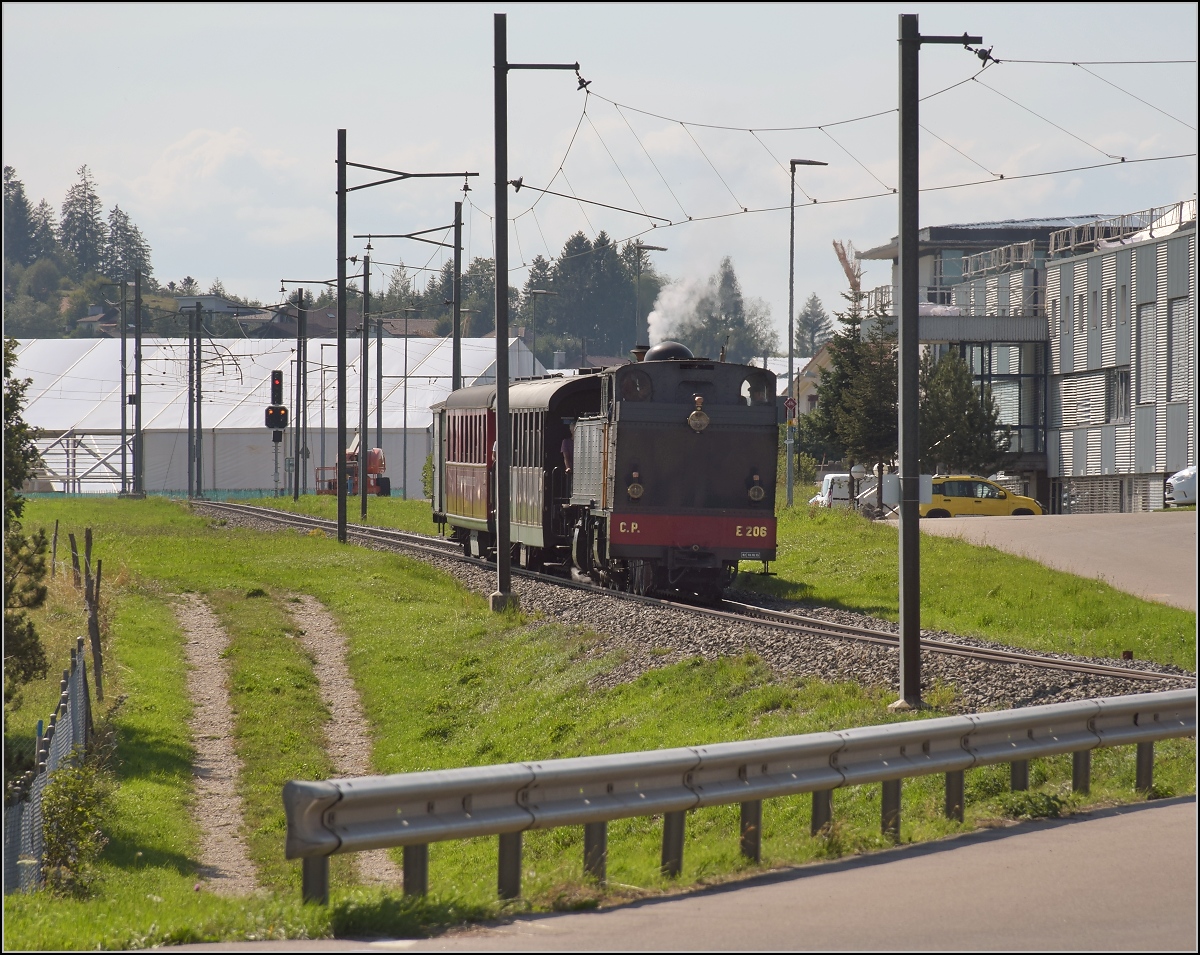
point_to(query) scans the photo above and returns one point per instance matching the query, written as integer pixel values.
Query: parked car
(1181, 488)
(961, 495)
(835, 491)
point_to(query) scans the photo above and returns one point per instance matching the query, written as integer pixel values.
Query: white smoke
(675, 304)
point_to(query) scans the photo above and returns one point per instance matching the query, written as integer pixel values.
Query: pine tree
(125, 249)
(82, 232)
(18, 221)
(959, 428)
(44, 240)
(813, 327)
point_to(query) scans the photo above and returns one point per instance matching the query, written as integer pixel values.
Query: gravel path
(224, 862)
(348, 734)
(645, 637)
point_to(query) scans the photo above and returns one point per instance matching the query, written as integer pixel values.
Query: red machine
(377, 483)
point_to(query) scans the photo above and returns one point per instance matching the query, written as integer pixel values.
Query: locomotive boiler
(655, 476)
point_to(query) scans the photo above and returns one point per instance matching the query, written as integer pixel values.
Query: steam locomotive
(656, 476)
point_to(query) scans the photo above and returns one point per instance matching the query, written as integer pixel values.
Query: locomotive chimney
(639, 352)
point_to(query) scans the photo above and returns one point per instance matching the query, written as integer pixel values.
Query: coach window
(756, 390)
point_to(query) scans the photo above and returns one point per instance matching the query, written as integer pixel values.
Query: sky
(214, 126)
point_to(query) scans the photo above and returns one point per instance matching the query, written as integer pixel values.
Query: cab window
(985, 490)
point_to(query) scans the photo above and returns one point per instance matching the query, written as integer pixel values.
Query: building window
(1147, 358)
(1080, 313)
(1108, 308)
(1054, 319)
(1116, 397)
(1177, 349)
(1094, 314)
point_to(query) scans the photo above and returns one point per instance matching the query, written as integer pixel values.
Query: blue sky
(214, 125)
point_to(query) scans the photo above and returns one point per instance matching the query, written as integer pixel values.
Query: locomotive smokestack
(639, 352)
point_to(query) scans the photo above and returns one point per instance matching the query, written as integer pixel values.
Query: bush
(74, 803)
(427, 478)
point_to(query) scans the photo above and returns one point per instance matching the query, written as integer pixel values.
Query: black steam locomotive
(655, 476)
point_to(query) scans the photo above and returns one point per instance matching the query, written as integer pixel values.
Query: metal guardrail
(415, 809)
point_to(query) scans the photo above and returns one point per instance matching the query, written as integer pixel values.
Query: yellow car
(961, 495)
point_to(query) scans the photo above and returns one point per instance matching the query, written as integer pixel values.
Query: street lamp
(533, 323)
(790, 443)
(639, 331)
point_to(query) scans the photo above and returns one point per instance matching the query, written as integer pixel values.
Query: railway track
(729, 610)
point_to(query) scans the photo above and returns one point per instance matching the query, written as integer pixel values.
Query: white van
(835, 491)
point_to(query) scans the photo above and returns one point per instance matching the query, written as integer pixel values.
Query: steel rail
(744, 613)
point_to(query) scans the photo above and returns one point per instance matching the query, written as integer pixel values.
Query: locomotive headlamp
(756, 491)
(698, 419)
(635, 490)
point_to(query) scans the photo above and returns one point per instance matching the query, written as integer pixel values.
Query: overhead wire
(714, 168)
(998, 175)
(1045, 120)
(652, 162)
(1136, 97)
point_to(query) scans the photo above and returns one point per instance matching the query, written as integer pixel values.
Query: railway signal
(277, 413)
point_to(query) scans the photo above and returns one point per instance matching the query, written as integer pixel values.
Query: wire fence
(63, 741)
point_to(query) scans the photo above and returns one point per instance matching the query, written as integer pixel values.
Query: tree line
(589, 300)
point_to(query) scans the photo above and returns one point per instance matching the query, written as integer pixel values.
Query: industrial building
(1084, 330)
(77, 401)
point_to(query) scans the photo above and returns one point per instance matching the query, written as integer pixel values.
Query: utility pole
(341, 336)
(191, 454)
(298, 443)
(909, 345)
(364, 389)
(138, 446)
(456, 345)
(199, 402)
(504, 598)
(124, 389)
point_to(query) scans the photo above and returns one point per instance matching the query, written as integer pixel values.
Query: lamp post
(533, 323)
(790, 443)
(504, 598)
(641, 330)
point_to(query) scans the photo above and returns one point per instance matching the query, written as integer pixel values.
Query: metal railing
(1017, 255)
(1163, 219)
(415, 809)
(70, 727)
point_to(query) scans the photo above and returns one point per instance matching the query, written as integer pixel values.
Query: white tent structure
(75, 400)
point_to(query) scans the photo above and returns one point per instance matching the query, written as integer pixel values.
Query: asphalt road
(1152, 555)
(1115, 880)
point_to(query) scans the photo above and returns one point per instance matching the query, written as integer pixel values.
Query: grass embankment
(833, 557)
(444, 683)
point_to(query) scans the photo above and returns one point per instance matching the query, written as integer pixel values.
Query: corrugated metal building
(1084, 330)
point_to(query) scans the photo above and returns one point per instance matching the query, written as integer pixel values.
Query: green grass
(444, 683)
(834, 557)
(409, 515)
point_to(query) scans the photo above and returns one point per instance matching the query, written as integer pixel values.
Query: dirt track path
(348, 734)
(224, 862)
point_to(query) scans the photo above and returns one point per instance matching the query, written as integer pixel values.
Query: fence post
(954, 795)
(672, 844)
(1145, 767)
(751, 838)
(890, 808)
(1018, 775)
(416, 870)
(822, 809)
(314, 879)
(74, 559)
(1081, 771)
(93, 609)
(595, 851)
(508, 882)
